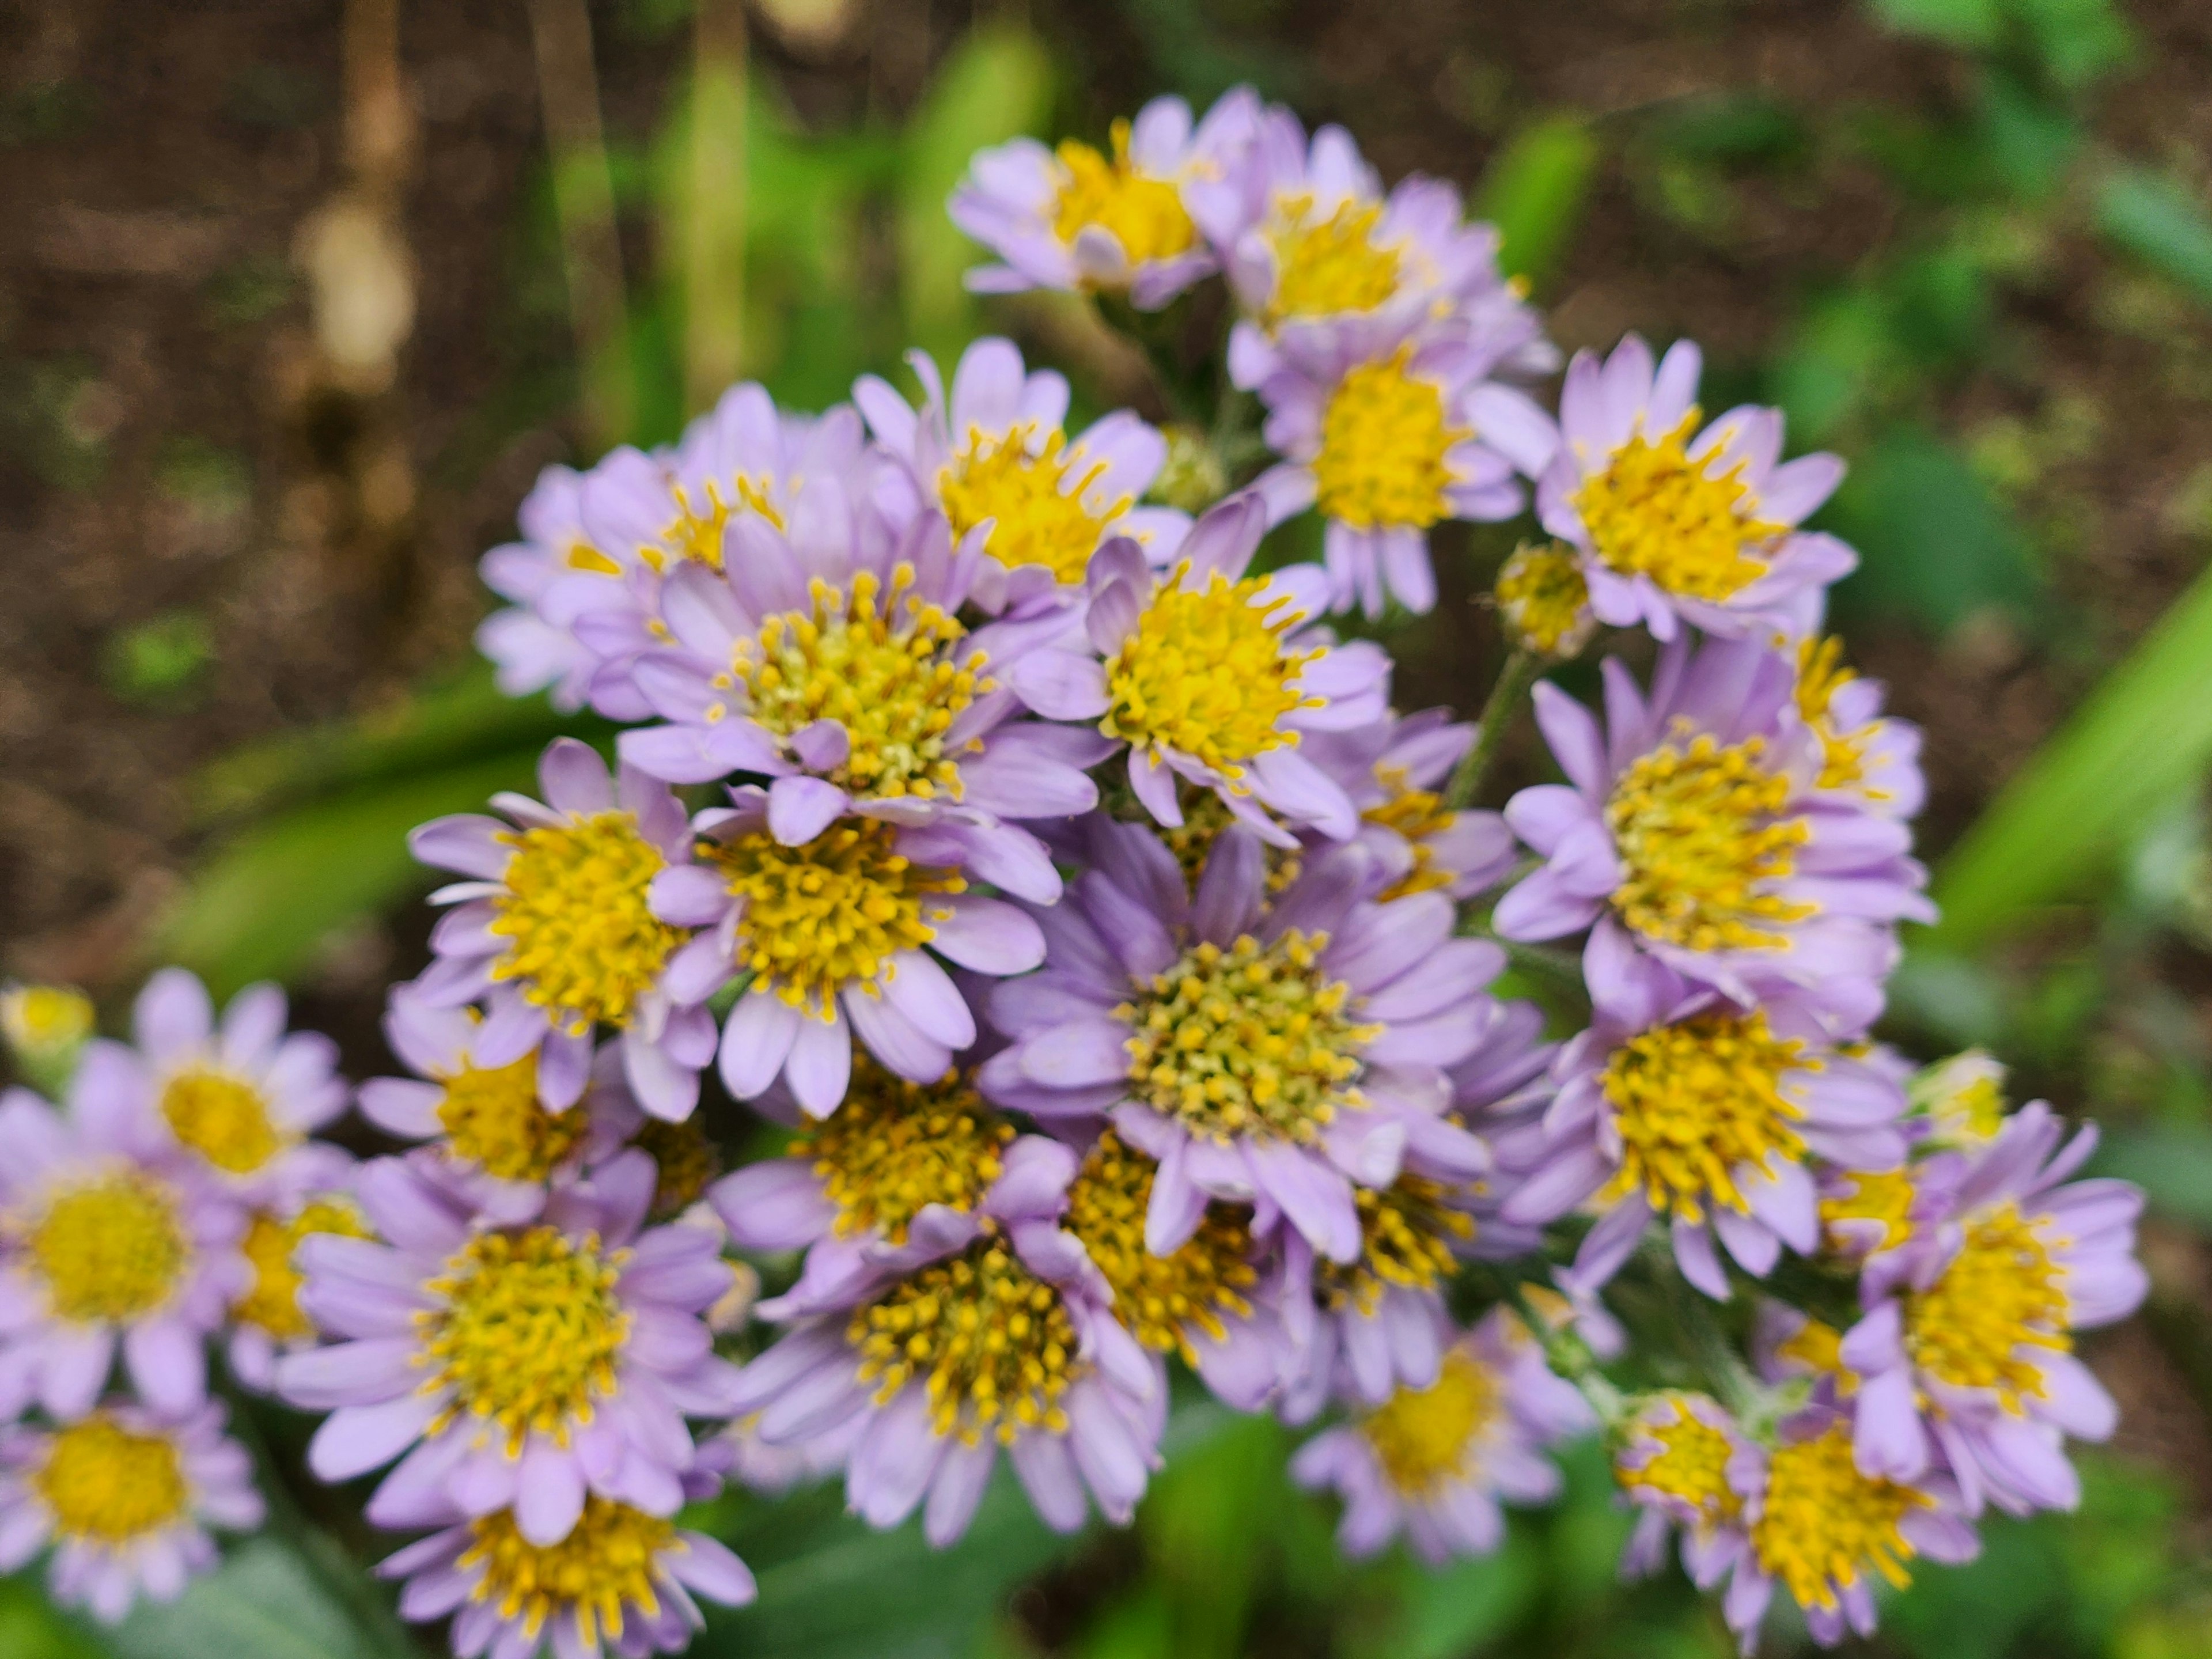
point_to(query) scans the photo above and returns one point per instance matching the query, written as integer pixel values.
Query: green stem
(1514, 682)
(1567, 1354)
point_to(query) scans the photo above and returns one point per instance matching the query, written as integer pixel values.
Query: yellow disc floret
(1885, 1197)
(1160, 1298)
(695, 532)
(273, 1302)
(1146, 215)
(1697, 1101)
(605, 1568)
(1406, 1232)
(1821, 673)
(1544, 601)
(991, 1342)
(1823, 1524)
(108, 1485)
(1418, 815)
(880, 662)
(1383, 440)
(894, 1147)
(1253, 1040)
(1207, 672)
(45, 1020)
(1697, 830)
(1654, 511)
(2001, 1300)
(1325, 266)
(1426, 1438)
(223, 1118)
(110, 1250)
(1691, 1465)
(527, 1337)
(582, 939)
(492, 1116)
(1038, 499)
(831, 913)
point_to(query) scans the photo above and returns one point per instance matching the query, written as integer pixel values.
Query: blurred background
(296, 296)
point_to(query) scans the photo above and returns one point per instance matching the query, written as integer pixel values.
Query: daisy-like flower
(242, 1097)
(1212, 675)
(553, 930)
(836, 936)
(532, 644)
(1392, 446)
(1435, 1462)
(1395, 772)
(998, 449)
(1692, 828)
(1134, 219)
(1681, 1463)
(1679, 1105)
(110, 1237)
(1678, 524)
(622, 1581)
(267, 1321)
(1266, 1053)
(123, 1498)
(528, 1366)
(1866, 756)
(1964, 1352)
(1008, 1341)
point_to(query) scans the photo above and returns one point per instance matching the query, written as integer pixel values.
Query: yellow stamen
(1823, 1523)
(1144, 214)
(1383, 440)
(1204, 818)
(1418, 815)
(606, 1569)
(1426, 1438)
(1885, 1198)
(1819, 1348)
(2002, 1298)
(894, 1147)
(1654, 511)
(696, 532)
(584, 942)
(273, 1304)
(108, 1485)
(1406, 1233)
(1326, 266)
(111, 1250)
(582, 555)
(1037, 499)
(223, 1118)
(494, 1118)
(1690, 1466)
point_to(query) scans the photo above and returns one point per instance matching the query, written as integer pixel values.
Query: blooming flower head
(533, 643)
(1133, 220)
(529, 1366)
(1964, 1352)
(553, 929)
(1674, 1464)
(1008, 1340)
(123, 1497)
(1678, 524)
(1396, 772)
(1866, 756)
(1434, 1462)
(1266, 1053)
(267, 1320)
(1692, 828)
(1679, 1105)
(1545, 602)
(1210, 674)
(110, 1237)
(998, 449)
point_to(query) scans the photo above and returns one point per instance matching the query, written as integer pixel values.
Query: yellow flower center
(895, 1147)
(1696, 1101)
(223, 1118)
(992, 1340)
(1040, 511)
(1426, 1438)
(583, 940)
(1654, 511)
(1819, 1348)
(1698, 840)
(1206, 672)
(273, 1304)
(1545, 600)
(1323, 266)
(1964, 1099)
(1204, 818)
(696, 532)
(1691, 1465)
(1885, 1197)
(1144, 214)
(828, 914)
(2002, 1298)
(684, 1161)
(1159, 1298)
(45, 1019)
(1253, 1040)
(1825, 1523)
(530, 1329)
(1418, 815)
(885, 671)
(605, 1567)
(111, 1250)
(1384, 439)
(108, 1486)
(1405, 1232)
(493, 1118)
(1821, 673)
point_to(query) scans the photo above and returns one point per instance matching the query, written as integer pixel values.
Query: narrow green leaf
(1535, 191)
(2141, 737)
(2161, 222)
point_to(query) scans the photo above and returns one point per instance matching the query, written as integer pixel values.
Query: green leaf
(1934, 545)
(30, 1628)
(262, 1603)
(1535, 190)
(2173, 1166)
(2076, 41)
(2142, 737)
(1972, 23)
(2161, 222)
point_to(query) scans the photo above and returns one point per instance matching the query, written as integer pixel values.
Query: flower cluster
(1120, 971)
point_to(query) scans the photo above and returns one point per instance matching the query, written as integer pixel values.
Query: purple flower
(1009, 1340)
(1678, 524)
(1134, 220)
(124, 1499)
(531, 651)
(267, 1321)
(1867, 758)
(1965, 1347)
(524, 1365)
(1434, 1462)
(1394, 773)
(1266, 1053)
(1212, 675)
(554, 930)
(109, 1234)
(1682, 1463)
(1692, 829)
(998, 449)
